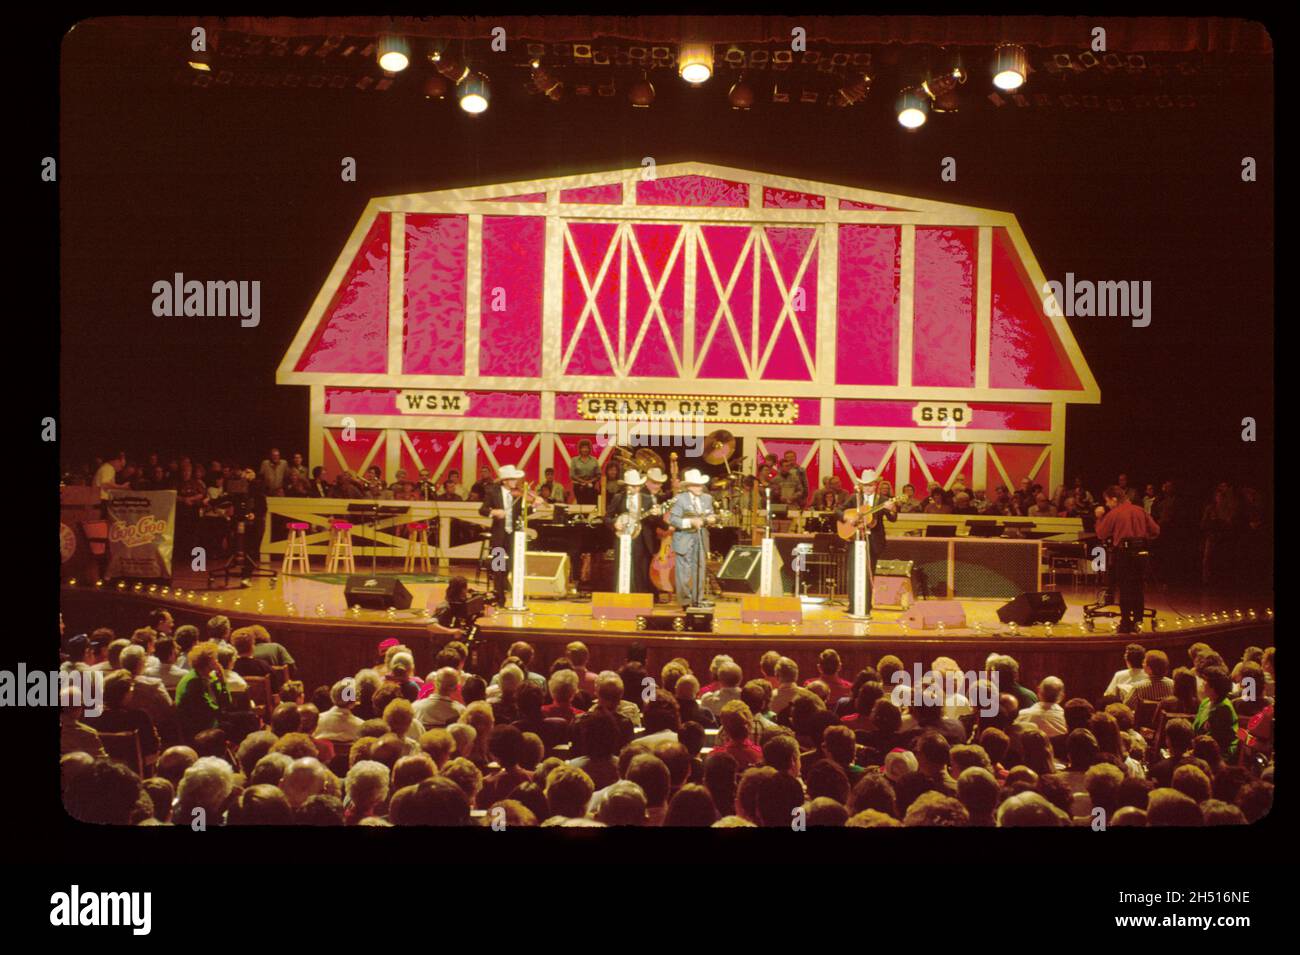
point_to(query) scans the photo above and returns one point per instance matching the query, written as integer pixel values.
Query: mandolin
(855, 518)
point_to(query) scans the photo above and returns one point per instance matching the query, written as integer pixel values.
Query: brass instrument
(642, 459)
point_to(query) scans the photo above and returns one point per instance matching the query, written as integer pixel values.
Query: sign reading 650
(940, 414)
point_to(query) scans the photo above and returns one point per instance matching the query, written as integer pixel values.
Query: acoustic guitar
(854, 518)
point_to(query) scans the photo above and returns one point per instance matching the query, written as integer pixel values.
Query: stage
(310, 617)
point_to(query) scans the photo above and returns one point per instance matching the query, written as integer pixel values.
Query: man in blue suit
(690, 516)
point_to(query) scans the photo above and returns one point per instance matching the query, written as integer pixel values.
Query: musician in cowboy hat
(865, 497)
(690, 515)
(629, 511)
(503, 502)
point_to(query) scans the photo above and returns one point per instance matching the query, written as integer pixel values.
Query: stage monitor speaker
(928, 614)
(693, 621)
(770, 609)
(547, 574)
(1043, 606)
(741, 571)
(891, 593)
(376, 593)
(608, 606)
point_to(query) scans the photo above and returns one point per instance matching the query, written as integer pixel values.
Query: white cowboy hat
(654, 474)
(509, 472)
(694, 477)
(633, 478)
(869, 476)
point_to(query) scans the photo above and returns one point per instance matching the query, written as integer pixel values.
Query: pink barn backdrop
(883, 317)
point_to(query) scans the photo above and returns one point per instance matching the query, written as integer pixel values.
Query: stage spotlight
(1010, 66)
(942, 90)
(642, 92)
(436, 86)
(449, 65)
(546, 83)
(741, 95)
(474, 94)
(695, 62)
(851, 94)
(393, 53)
(913, 109)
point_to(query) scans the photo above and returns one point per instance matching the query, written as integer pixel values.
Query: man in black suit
(503, 502)
(866, 497)
(638, 489)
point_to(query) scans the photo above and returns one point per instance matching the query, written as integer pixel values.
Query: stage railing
(382, 534)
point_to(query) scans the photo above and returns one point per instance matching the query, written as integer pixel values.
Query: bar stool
(485, 553)
(417, 546)
(340, 552)
(295, 551)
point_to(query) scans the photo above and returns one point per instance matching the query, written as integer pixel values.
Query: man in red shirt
(1126, 528)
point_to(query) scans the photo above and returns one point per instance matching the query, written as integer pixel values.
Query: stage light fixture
(449, 65)
(913, 109)
(200, 60)
(853, 93)
(1010, 66)
(545, 82)
(695, 62)
(741, 94)
(642, 92)
(393, 53)
(474, 93)
(942, 90)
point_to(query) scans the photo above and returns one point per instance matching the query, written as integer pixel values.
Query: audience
(516, 749)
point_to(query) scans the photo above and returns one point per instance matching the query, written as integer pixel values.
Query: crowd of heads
(562, 744)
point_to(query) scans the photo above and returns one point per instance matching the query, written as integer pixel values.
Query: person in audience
(1215, 717)
(1047, 714)
(1156, 686)
(737, 722)
(202, 695)
(1132, 674)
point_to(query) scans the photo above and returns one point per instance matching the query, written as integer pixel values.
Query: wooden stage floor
(329, 640)
(319, 598)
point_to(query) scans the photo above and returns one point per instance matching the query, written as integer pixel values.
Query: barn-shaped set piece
(489, 326)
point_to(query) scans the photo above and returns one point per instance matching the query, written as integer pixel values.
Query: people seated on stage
(908, 503)
(1042, 507)
(403, 489)
(479, 487)
(938, 502)
(451, 489)
(790, 483)
(552, 490)
(348, 485)
(831, 495)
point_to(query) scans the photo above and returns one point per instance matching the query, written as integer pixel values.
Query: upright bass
(663, 567)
